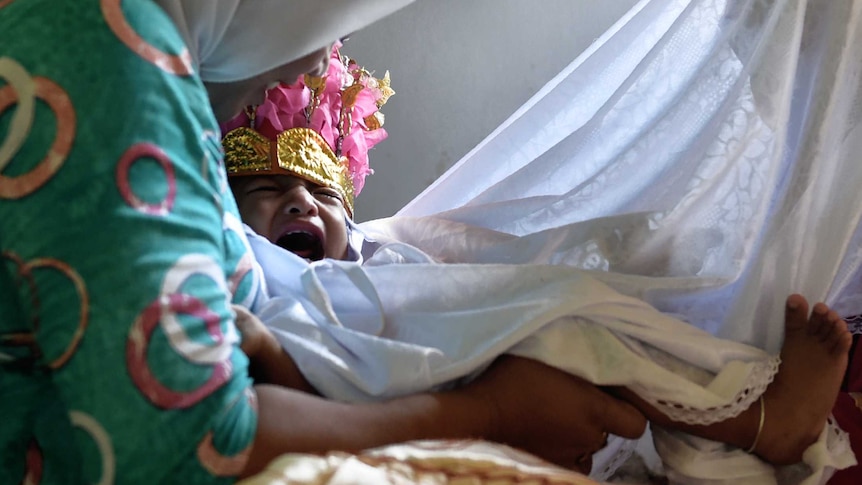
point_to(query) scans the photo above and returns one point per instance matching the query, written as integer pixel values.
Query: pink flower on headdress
(284, 108)
(355, 147)
(288, 106)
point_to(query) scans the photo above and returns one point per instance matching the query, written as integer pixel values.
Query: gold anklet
(759, 426)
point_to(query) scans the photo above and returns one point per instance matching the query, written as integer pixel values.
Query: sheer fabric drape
(702, 155)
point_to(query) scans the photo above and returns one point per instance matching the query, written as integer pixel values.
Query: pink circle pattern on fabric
(58, 100)
(35, 464)
(208, 137)
(24, 87)
(243, 267)
(185, 267)
(25, 270)
(220, 173)
(102, 440)
(31, 282)
(138, 342)
(221, 465)
(134, 153)
(180, 65)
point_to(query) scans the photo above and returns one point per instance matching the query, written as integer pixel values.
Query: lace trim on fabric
(854, 324)
(627, 448)
(761, 376)
(838, 440)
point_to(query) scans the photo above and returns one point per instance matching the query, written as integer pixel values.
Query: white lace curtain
(705, 155)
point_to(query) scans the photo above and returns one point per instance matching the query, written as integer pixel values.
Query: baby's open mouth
(303, 244)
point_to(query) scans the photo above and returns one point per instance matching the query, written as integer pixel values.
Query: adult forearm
(518, 402)
(293, 422)
(276, 367)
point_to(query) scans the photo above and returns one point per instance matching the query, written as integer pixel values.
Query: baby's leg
(799, 400)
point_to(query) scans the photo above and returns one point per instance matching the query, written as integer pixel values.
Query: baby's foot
(800, 399)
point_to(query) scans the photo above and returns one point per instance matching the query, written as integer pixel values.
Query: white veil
(702, 155)
(224, 36)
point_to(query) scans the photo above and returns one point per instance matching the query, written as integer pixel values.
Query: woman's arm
(519, 402)
(268, 362)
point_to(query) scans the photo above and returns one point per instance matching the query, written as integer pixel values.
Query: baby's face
(300, 216)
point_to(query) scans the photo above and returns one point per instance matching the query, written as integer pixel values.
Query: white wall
(460, 68)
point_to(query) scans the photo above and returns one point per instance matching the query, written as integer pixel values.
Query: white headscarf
(231, 40)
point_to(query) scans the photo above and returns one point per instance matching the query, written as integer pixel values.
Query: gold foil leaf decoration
(246, 151)
(303, 152)
(386, 90)
(374, 121)
(315, 83)
(349, 95)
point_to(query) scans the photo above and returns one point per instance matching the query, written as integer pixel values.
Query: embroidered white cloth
(704, 153)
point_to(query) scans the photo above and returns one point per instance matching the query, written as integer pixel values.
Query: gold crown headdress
(319, 128)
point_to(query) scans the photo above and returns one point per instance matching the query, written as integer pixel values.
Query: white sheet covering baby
(401, 323)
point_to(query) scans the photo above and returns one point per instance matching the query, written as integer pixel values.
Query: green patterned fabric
(121, 250)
